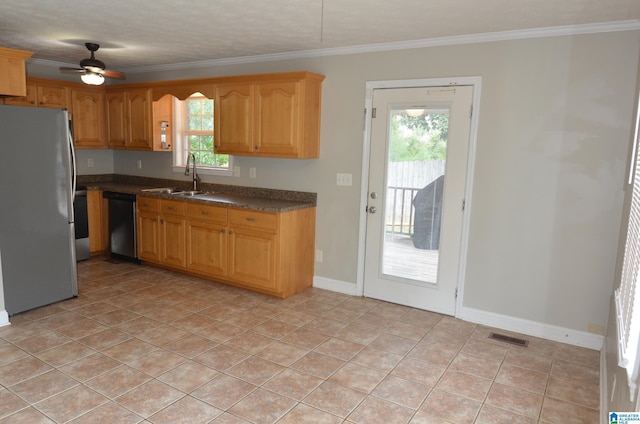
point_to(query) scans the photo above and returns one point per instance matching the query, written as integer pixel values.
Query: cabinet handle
(171, 208)
(251, 219)
(204, 213)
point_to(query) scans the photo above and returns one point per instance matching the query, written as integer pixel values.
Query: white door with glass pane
(417, 181)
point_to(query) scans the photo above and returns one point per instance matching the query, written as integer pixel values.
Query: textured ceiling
(144, 33)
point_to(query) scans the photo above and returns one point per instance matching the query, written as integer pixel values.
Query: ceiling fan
(93, 70)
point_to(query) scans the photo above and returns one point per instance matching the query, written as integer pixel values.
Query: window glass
(195, 135)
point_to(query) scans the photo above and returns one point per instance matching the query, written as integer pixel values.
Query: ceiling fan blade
(72, 70)
(113, 74)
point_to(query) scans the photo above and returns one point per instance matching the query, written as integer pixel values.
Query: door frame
(476, 82)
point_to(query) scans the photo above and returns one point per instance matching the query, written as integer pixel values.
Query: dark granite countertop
(267, 200)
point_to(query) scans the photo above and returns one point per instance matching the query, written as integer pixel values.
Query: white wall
(555, 118)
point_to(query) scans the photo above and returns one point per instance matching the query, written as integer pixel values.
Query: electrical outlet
(252, 172)
(343, 179)
(236, 171)
(90, 163)
(139, 164)
(318, 255)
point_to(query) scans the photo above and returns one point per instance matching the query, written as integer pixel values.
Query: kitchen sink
(163, 190)
(222, 198)
(187, 193)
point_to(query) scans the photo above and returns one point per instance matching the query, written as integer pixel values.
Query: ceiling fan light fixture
(92, 78)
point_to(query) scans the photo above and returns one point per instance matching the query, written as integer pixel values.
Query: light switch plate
(343, 179)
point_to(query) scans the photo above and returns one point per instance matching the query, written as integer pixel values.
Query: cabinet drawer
(172, 207)
(252, 219)
(207, 213)
(148, 204)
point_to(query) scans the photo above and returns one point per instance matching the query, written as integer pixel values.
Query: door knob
(371, 209)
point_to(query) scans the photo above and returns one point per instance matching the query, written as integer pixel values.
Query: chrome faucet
(196, 177)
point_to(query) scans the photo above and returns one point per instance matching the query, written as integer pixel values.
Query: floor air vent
(508, 339)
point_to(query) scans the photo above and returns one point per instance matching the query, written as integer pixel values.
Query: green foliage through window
(422, 137)
(198, 133)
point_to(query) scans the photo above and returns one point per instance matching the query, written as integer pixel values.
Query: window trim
(627, 295)
(178, 163)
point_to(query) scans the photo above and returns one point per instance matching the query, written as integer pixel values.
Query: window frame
(627, 295)
(179, 159)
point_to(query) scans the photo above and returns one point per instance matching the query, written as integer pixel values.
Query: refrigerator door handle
(72, 151)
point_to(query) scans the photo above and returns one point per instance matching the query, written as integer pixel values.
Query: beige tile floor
(146, 345)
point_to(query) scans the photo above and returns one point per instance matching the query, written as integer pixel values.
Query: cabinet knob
(222, 231)
(251, 219)
(256, 147)
(230, 231)
(204, 213)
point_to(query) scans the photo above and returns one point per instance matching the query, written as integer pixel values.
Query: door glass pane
(414, 185)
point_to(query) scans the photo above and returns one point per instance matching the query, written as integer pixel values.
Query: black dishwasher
(122, 225)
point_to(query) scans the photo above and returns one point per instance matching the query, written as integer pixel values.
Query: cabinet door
(207, 248)
(277, 123)
(253, 257)
(88, 118)
(148, 236)
(172, 236)
(97, 213)
(50, 96)
(30, 99)
(139, 104)
(233, 112)
(116, 120)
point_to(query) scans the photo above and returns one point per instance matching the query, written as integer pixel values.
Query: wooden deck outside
(403, 260)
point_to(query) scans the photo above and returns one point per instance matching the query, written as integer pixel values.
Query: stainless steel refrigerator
(37, 185)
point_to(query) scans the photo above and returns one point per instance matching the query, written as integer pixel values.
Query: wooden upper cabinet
(233, 115)
(116, 120)
(140, 108)
(273, 116)
(87, 107)
(12, 72)
(276, 111)
(131, 120)
(42, 95)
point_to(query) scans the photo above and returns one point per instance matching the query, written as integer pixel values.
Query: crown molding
(568, 30)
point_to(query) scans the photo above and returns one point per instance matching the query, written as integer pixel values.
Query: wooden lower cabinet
(253, 248)
(97, 214)
(207, 239)
(172, 233)
(161, 231)
(148, 229)
(264, 251)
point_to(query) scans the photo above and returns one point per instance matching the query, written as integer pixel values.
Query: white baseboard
(532, 328)
(491, 319)
(4, 318)
(335, 285)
